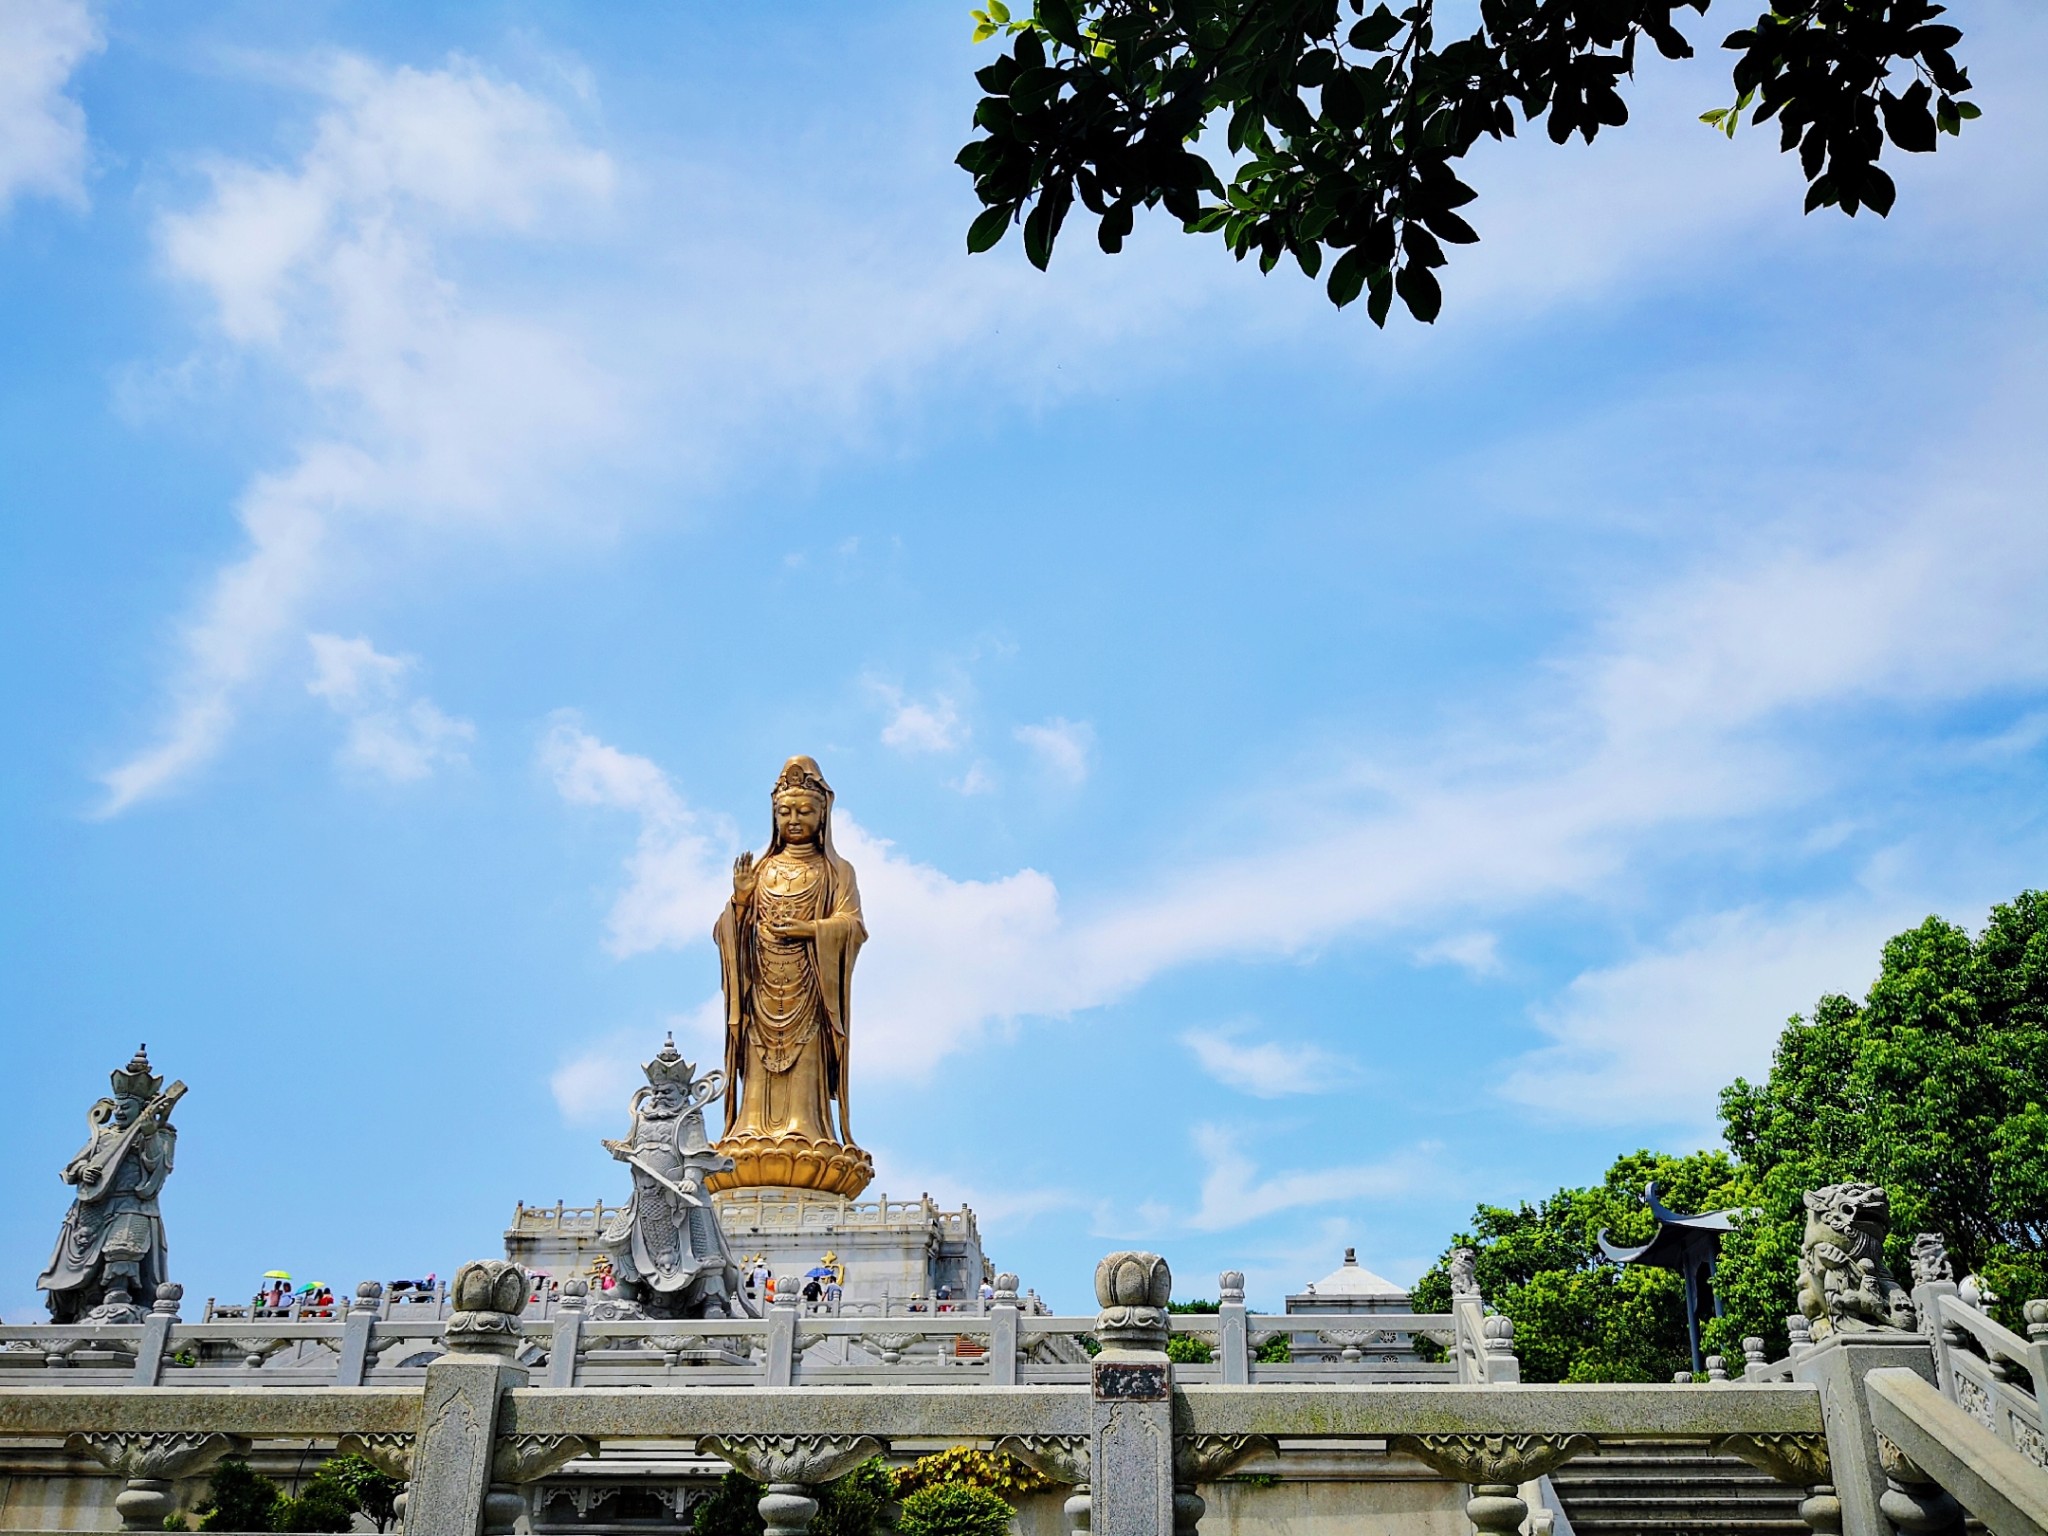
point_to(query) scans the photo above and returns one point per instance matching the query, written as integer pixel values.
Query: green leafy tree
(1577, 1316)
(1932, 1086)
(238, 1499)
(954, 1509)
(1326, 132)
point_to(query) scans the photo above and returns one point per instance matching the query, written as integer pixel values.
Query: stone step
(1674, 1488)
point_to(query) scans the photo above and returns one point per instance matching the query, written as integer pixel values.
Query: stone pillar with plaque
(1131, 1398)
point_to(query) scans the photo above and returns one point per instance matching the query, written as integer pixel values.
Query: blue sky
(1304, 780)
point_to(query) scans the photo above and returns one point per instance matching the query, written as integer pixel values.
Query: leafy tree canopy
(1341, 128)
(1577, 1316)
(1932, 1086)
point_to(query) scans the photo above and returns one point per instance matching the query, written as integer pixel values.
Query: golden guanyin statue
(786, 945)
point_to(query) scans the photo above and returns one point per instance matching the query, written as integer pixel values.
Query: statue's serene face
(798, 816)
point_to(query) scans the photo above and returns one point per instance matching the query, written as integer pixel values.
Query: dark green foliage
(1189, 1349)
(358, 1487)
(1341, 126)
(954, 1509)
(1577, 1317)
(859, 1504)
(1278, 1350)
(1932, 1086)
(732, 1509)
(238, 1499)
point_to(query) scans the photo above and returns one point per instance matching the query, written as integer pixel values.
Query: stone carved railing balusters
(156, 1334)
(789, 1467)
(151, 1463)
(1912, 1500)
(1495, 1466)
(1131, 1398)
(1800, 1460)
(1203, 1459)
(521, 1459)
(356, 1328)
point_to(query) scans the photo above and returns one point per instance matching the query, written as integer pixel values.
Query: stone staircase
(1673, 1488)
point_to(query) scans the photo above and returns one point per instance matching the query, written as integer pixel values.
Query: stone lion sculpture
(1844, 1285)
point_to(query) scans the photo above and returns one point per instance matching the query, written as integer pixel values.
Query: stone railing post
(156, 1334)
(1498, 1335)
(1837, 1365)
(1002, 1333)
(1233, 1343)
(354, 1363)
(568, 1335)
(1131, 1396)
(452, 1492)
(789, 1468)
(782, 1320)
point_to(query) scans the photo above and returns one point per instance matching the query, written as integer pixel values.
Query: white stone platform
(896, 1252)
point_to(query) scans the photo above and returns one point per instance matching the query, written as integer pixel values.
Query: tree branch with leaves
(1342, 128)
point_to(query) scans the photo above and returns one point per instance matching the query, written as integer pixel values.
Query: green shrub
(965, 1467)
(859, 1504)
(361, 1487)
(954, 1509)
(238, 1499)
(1278, 1350)
(1189, 1349)
(732, 1510)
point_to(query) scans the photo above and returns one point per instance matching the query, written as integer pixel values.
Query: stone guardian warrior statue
(111, 1255)
(667, 1250)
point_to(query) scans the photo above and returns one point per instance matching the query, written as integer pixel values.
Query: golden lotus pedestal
(793, 1162)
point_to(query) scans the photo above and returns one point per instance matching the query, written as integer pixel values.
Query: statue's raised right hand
(743, 876)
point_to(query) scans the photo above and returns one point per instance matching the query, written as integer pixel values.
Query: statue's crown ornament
(668, 1066)
(801, 773)
(136, 1081)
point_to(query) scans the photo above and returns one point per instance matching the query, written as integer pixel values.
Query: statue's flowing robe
(114, 1220)
(787, 1003)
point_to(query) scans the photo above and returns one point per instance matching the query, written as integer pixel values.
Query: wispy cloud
(1235, 1193)
(1063, 747)
(390, 735)
(1652, 1038)
(42, 129)
(430, 408)
(1477, 952)
(1268, 1069)
(917, 727)
(678, 876)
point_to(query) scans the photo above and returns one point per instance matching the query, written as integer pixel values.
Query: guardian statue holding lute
(111, 1255)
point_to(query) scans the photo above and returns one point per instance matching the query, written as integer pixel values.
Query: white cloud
(1062, 746)
(42, 130)
(1477, 952)
(977, 780)
(679, 875)
(1268, 1069)
(595, 1085)
(431, 409)
(1652, 1038)
(918, 727)
(389, 735)
(1234, 1193)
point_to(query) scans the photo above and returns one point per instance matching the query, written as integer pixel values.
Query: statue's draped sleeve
(840, 936)
(729, 934)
